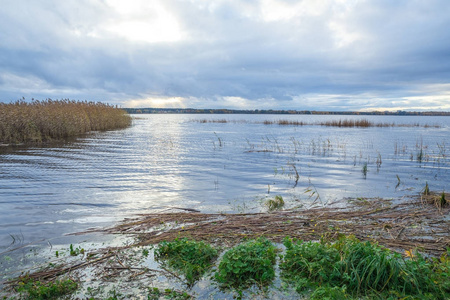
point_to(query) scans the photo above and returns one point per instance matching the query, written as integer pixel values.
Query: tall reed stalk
(40, 121)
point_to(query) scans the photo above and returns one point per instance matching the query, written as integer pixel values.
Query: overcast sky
(267, 54)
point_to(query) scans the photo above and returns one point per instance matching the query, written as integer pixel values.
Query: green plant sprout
(275, 204)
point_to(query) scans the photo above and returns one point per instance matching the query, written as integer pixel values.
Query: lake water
(166, 161)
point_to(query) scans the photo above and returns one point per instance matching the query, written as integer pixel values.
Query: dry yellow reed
(40, 121)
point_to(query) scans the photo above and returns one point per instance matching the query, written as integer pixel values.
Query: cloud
(311, 54)
(162, 102)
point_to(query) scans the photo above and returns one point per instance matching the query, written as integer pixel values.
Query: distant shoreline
(281, 112)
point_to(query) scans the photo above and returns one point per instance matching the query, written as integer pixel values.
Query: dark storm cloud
(289, 54)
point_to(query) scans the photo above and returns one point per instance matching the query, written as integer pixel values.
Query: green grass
(75, 251)
(156, 293)
(344, 269)
(442, 201)
(275, 204)
(330, 293)
(426, 189)
(35, 290)
(364, 170)
(350, 268)
(310, 262)
(41, 121)
(190, 258)
(246, 264)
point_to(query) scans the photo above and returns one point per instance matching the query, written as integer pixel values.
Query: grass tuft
(426, 190)
(191, 258)
(442, 201)
(438, 200)
(275, 204)
(28, 288)
(364, 170)
(364, 269)
(155, 293)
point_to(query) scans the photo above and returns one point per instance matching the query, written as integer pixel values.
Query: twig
(171, 273)
(401, 230)
(14, 249)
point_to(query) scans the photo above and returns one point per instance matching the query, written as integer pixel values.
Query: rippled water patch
(164, 161)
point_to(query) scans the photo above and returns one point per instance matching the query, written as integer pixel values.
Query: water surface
(166, 161)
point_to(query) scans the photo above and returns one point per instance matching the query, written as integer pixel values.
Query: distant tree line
(280, 112)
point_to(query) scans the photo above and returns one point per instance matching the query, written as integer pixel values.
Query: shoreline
(223, 111)
(415, 223)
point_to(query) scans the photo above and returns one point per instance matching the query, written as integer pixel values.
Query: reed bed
(292, 123)
(41, 121)
(203, 121)
(361, 123)
(352, 123)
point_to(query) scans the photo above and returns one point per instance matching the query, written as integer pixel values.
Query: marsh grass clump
(348, 123)
(398, 181)
(330, 293)
(75, 251)
(364, 170)
(310, 262)
(364, 269)
(155, 293)
(275, 204)
(442, 202)
(420, 155)
(426, 190)
(190, 258)
(246, 264)
(28, 288)
(291, 123)
(41, 121)
(436, 199)
(203, 121)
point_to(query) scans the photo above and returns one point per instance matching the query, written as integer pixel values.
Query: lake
(167, 162)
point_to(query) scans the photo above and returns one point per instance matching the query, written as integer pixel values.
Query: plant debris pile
(417, 223)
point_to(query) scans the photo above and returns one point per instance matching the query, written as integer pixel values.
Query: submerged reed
(361, 123)
(364, 170)
(40, 121)
(350, 123)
